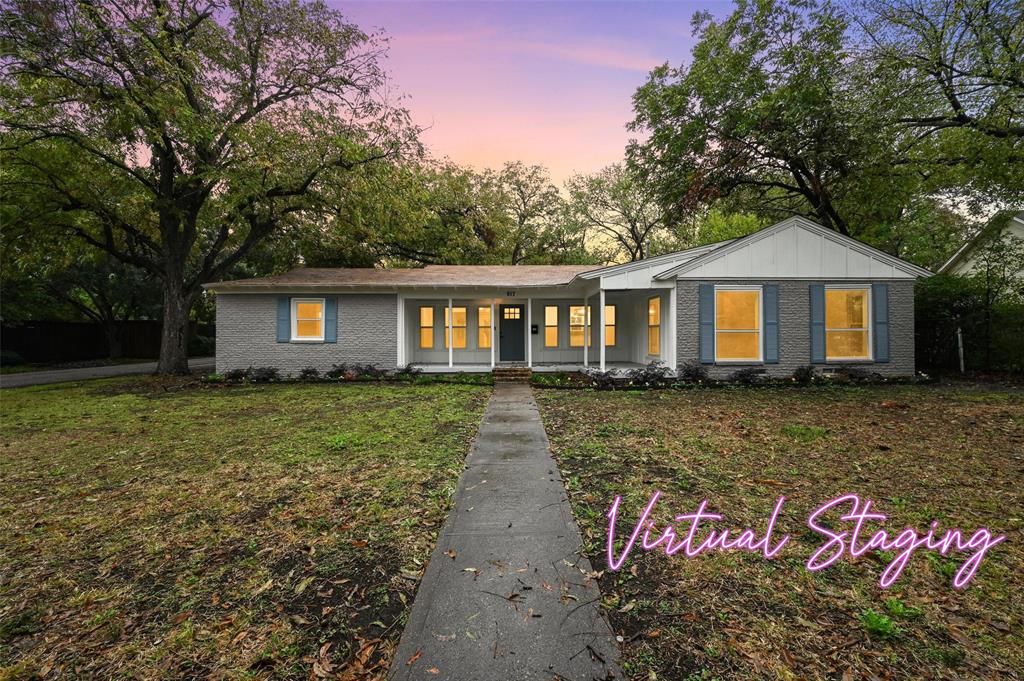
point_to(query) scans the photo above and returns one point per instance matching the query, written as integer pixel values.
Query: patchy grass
(161, 529)
(921, 453)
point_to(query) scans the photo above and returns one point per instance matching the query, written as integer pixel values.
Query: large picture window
(577, 323)
(738, 325)
(307, 319)
(654, 326)
(483, 332)
(426, 328)
(846, 324)
(458, 326)
(551, 326)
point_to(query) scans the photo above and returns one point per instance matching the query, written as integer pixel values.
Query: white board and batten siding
(795, 249)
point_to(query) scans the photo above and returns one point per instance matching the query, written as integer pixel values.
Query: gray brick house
(789, 295)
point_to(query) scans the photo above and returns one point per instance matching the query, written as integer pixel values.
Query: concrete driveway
(85, 373)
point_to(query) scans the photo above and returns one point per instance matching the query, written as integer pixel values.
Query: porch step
(512, 374)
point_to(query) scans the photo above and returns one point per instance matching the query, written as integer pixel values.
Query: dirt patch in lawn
(955, 455)
(258, 531)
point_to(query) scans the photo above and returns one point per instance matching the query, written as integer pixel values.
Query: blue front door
(512, 332)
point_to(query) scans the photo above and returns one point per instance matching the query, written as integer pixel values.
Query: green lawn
(922, 453)
(165, 529)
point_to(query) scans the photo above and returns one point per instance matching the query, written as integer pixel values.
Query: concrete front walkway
(84, 373)
(506, 596)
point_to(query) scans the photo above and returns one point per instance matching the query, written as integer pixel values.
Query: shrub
(202, 346)
(336, 371)
(355, 371)
(856, 374)
(693, 372)
(748, 376)
(9, 358)
(602, 380)
(408, 373)
(237, 375)
(309, 374)
(649, 376)
(213, 378)
(804, 375)
(264, 375)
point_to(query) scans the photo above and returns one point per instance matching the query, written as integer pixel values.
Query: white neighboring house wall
(964, 261)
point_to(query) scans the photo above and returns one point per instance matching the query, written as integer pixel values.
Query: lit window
(308, 319)
(609, 325)
(846, 324)
(458, 326)
(738, 325)
(654, 326)
(577, 322)
(483, 319)
(551, 326)
(426, 327)
(511, 313)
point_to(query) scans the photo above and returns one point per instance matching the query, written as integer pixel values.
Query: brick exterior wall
(247, 334)
(794, 329)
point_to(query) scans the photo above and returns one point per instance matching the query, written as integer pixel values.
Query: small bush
(9, 358)
(693, 372)
(264, 375)
(804, 375)
(336, 371)
(602, 380)
(408, 373)
(202, 346)
(650, 376)
(213, 378)
(877, 625)
(237, 375)
(355, 371)
(309, 374)
(749, 376)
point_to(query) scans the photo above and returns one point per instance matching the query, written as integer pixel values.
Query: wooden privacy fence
(43, 341)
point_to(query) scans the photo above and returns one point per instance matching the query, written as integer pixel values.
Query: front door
(512, 332)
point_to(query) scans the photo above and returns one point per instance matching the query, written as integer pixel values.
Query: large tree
(531, 203)
(618, 208)
(770, 107)
(185, 133)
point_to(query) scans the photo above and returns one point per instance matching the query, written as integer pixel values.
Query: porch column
(494, 336)
(600, 326)
(401, 331)
(529, 332)
(448, 333)
(673, 329)
(586, 330)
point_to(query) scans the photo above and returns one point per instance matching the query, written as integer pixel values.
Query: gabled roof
(822, 253)
(985, 231)
(667, 260)
(446, 276)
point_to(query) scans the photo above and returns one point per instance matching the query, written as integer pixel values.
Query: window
(577, 322)
(654, 326)
(483, 332)
(307, 319)
(846, 324)
(551, 326)
(426, 328)
(511, 313)
(738, 324)
(609, 325)
(458, 326)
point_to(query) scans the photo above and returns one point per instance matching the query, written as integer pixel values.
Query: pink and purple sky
(539, 82)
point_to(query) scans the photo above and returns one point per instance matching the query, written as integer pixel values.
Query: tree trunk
(174, 335)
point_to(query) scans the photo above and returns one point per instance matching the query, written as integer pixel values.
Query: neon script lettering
(692, 542)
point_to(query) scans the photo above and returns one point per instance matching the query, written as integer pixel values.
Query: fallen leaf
(433, 670)
(451, 553)
(415, 656)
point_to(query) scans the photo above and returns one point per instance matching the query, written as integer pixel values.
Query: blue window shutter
(771, 323)
(706, 318)
(284, 319)
(331, 319)
(880, 305)
(817, 323)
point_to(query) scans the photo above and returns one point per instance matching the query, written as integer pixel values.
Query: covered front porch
(546, 331)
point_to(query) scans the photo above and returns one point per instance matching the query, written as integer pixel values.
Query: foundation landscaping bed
(176, 529)
(921, 452)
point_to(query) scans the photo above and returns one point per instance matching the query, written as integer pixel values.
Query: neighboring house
(1003, 225)
(789, 295)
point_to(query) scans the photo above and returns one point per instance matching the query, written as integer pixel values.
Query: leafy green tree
(531, 203)
(620, 209)
(185, 134)
(770, 108)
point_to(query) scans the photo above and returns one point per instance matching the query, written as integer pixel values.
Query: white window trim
(870, 326)
(760, 323)
(295, 320)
